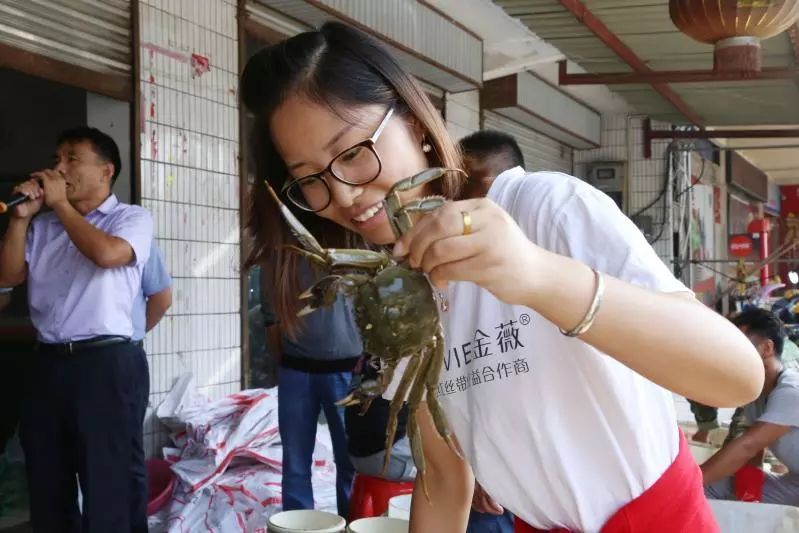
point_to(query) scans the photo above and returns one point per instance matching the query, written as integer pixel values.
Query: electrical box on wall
(610, 177)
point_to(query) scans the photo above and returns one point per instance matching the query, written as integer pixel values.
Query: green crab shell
(396, 313)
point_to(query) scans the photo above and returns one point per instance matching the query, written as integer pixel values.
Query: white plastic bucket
(400, 507)
(305, 521)
(379, 524)
(744, 517)
(702, 452)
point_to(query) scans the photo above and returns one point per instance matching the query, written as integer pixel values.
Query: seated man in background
(706, 418)
(773, 423)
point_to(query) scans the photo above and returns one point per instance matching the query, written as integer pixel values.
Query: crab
(396, 310)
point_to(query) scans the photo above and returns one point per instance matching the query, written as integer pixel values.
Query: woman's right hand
(33, 190)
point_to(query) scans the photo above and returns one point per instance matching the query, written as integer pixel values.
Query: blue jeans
(489, 523)
(301, 396)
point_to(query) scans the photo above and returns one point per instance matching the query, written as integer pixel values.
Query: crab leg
(387, 373)
(311, 256)
(416, 451)
(414, 399)
(408, 377)
(440, 421)
(338, 258)
(301, 232)
(417, 180)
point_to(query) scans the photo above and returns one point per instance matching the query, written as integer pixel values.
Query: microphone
(18, 199)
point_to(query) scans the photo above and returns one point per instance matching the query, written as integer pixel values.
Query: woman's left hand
(495, 254)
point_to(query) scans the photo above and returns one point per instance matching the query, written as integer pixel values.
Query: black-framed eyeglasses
(357, 165)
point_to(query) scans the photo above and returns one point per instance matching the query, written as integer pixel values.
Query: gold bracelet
(588, 320)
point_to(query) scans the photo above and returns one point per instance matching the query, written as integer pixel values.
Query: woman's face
(309, 135)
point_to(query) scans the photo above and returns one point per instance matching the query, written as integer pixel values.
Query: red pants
(674, 504)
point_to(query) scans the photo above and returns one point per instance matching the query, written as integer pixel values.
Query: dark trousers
(84, 418)
(14, 385)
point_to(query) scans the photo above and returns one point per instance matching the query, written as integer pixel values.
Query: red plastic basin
(162, 481)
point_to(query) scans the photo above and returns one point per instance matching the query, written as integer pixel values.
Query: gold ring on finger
(467, 222)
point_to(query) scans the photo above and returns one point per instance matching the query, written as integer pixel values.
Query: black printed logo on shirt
(474, 356)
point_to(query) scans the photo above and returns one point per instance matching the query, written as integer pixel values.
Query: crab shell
(396, 313)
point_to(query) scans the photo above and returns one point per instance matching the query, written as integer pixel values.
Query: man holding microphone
(83, 261)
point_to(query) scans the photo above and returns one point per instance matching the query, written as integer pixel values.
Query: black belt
(318, 366)
(71, 348)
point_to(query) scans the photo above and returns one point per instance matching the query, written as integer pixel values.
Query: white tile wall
(646, 175)
(462, 111)
(190, 182)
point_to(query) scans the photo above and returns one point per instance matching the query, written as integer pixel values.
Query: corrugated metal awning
(541, 152)
(428, 44)
(647, 29)
(95, 34)
(538, 105)
(86, 43)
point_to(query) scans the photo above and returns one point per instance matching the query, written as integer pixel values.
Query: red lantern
(735, 27)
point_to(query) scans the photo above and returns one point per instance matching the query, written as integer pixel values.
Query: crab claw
(398, 217)
(421, 178)
(307, 293)
(307, 310)
(348, 400)
(423, 205)
(324, 292)
(316, 302)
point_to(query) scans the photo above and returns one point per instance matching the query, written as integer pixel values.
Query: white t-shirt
(556, 431)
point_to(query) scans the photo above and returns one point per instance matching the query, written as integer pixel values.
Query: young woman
(565, 432)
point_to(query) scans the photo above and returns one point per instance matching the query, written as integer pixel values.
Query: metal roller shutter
(272, 20)
(94, 34)
(436, 94)
(540, 152)
(280, 24)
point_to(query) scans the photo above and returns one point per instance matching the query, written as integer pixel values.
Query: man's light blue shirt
(154, 279)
